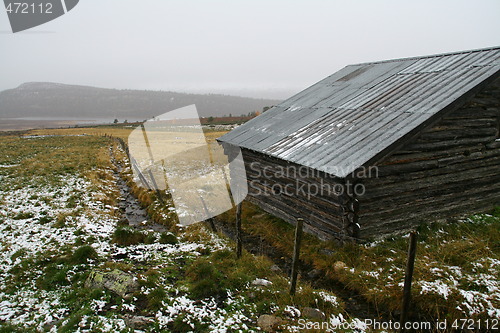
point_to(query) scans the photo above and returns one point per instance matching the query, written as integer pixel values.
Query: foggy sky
(255, 48)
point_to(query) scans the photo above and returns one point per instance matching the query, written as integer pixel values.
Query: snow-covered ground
(29, 230)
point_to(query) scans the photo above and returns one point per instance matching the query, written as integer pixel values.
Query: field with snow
(457, 266)
(78, 254)
(69, 261)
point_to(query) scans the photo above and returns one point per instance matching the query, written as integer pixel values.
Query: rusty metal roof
(356, 115)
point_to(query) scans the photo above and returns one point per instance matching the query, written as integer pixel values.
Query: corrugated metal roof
(346, 120)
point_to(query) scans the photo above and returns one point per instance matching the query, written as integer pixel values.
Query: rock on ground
(139, 322)
(117, 281)
(269, 323)
(339, 266)
(313, 313)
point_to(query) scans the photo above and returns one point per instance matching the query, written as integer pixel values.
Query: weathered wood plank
(414, 218)
(423, 206)
(395, 172)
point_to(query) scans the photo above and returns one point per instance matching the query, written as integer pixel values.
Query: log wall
(290, 191)
(450, 169)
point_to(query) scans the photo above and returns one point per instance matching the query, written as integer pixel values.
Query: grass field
(456, 274)
(61, 222)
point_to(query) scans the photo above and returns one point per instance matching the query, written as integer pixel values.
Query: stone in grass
(313, 313)
(315, 274)
(339, 266)
(117, 281)
(269, 323)
(275, 268)
(139, 322)
(261, 283)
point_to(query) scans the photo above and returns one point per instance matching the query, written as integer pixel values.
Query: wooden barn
(379, 147)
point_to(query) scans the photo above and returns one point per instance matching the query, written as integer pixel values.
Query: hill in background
(53, 100)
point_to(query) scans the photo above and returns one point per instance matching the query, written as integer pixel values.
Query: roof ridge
(427, 56)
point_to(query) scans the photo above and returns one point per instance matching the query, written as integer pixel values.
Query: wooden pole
(410, 264)
(210, 220)
(157, 190)
(139, 173)
(296, 253)
(239, 242)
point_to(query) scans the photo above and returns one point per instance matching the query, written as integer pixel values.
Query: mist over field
(53, 100)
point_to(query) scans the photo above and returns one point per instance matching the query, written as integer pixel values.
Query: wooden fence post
(410, 264)
(239, 242)
(157, 190)
(210, 220)
(296, 253)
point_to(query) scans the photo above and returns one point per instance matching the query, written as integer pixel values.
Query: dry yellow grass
(115, 131)
(119, 132)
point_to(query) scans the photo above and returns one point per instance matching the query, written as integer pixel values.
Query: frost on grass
(38, 220)
(45, 220)
(207, 314)
(328, 298)
(36, 224)
(473, 288)
(456, 269)
(476, 292)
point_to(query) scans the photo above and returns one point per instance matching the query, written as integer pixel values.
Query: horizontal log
(483, 173)
(320, 196)
(473, 112)
(481, 194)
(452, 123)
(450, 191)
(461, 133)
(383, 224)
(409, 157)
(484, 100)
(438, 145)
(302, 208)
(494, 145)
(397, 173)
(285, 169)
(290, 214)
(284, 214)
